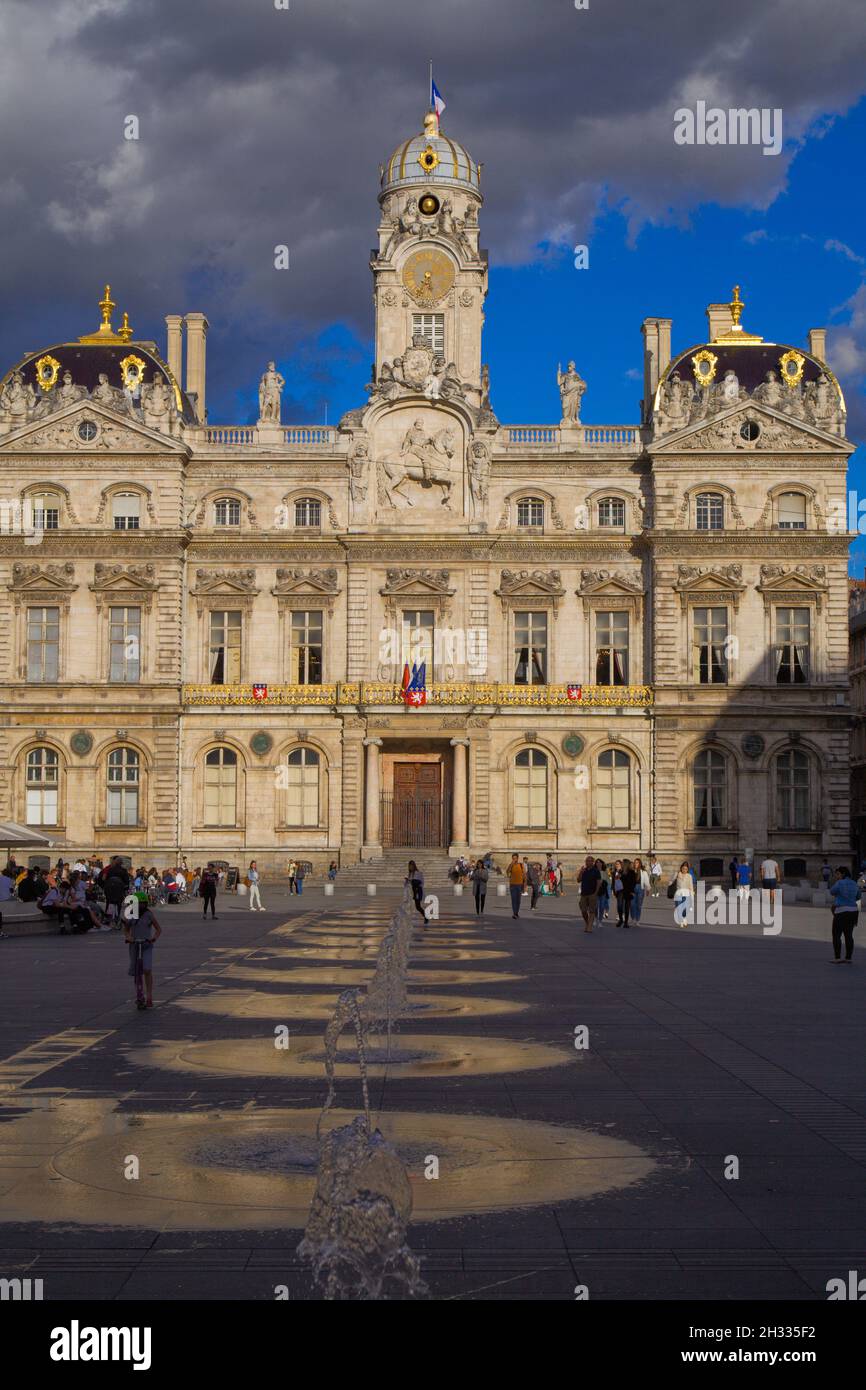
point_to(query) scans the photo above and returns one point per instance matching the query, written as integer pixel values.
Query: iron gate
(417, 822)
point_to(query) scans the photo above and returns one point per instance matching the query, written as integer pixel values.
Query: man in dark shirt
(589, 879)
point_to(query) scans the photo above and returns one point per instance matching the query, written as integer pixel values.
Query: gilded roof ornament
(105, 333)
(737, 333)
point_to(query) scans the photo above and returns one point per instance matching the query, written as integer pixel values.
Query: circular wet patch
(340, 977)
(258, 1171)
(449, 1055)
(282, 1008)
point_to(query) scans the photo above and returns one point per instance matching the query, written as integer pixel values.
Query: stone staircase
(389, 871)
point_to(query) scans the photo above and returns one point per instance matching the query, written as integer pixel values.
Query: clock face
(428, 276)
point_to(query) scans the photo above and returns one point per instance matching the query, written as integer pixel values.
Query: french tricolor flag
(437, 102)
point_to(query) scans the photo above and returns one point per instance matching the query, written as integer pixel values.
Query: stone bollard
(821, 898)
(501, 890)
(371, 890)
(329, 890)
(242, 889)
(458, 890)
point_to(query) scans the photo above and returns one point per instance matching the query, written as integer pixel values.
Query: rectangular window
(43, 644)
(308, 512)
(792, 512)
(611, 649)
(710, 512)
(792, 646)
(530, 648)
(42, 806)
(122, 806)
(126, 511)
(418, 633)
(710, 637)
(431, 328)
(530, 512)
(611, 512)
(46, 511)
(225, 648)
(124, 628)
(306, 664)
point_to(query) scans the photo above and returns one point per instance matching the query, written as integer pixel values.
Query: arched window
(792, 511)
(46, 510)
(126, 511)
(42, 786)
(530, 789)
(611, 512)
(123, 783)
(793, 799)
(308, 512)
(613, 790)
(710, 789)
(220, 787)
(227, 512)
(302, 787)
(530, 512)
(710, 511)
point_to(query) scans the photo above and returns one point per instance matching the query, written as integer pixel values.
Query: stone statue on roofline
(571, 390)
(270, 391)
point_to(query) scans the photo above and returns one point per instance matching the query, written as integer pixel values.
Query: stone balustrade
(448, 693)
(236, 436)
(619, 438)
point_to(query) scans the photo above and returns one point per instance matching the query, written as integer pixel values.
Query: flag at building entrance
(415, 692)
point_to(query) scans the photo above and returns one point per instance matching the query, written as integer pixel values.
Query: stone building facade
(634, 636)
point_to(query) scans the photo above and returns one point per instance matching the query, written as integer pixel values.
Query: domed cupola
(430, 158)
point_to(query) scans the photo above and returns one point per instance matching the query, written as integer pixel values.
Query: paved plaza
(652, 1113)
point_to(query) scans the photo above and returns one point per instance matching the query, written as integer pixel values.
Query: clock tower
(430, 278)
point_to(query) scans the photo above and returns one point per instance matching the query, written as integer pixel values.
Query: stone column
(372, 829)
(460, 807)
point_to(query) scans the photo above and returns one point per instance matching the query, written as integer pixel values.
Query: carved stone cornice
(46, 583)
(135, 582)
(521, 586)
(797, 584)
(413, 581)
(710, 584)
(747, 544)
(237, 587)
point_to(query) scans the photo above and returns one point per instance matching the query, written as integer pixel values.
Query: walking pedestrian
(770, 877)
(656, 872)
(140, 935)
(516, 875)
(207, 891)
(744, 881)
(415, 880)
(629, 883)
(589, 879)
(603, 901)
(733, 869)
(616, 888)
(533, 879)
(641, 888)
(253, 879)
(292, 867)
(300, 875)
(480, 875)
(332, 871)
(845, 894)
(826, 873)
(684, 893)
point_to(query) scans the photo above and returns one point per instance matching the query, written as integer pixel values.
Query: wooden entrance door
(417, 811)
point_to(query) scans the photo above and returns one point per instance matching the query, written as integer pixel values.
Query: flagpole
(431, 84)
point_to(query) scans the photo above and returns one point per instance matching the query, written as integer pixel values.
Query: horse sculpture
(422, 459)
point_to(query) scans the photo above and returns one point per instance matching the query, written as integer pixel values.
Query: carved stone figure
(770, 392)
(478, 471)
(729, 389)
(571, 389)
(450, 386)
(270, 391)
(359, 460)
(422, 459)
(17, 401)
(675, 401)
(156, 403)
(110, 396)
(408, 223)
(820, 403)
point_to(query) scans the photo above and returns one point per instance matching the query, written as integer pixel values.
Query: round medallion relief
(752, 745)
(261, 743)
(573, 745)
(81, 743)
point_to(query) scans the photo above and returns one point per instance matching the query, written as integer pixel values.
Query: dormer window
(227, 512)
(530, 512)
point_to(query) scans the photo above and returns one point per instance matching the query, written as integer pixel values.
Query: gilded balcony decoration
(260, 695)
(448, 693)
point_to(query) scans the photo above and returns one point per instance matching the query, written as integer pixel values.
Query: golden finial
(431, 125)
(124, 331)
(736, 306)
(106, 304)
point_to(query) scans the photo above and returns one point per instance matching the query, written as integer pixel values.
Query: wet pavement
(658, 1113)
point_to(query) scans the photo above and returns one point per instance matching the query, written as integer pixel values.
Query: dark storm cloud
(262, 126)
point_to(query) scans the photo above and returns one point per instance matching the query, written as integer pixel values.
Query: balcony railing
(236, 436)
(620, 438)
(447, 693)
